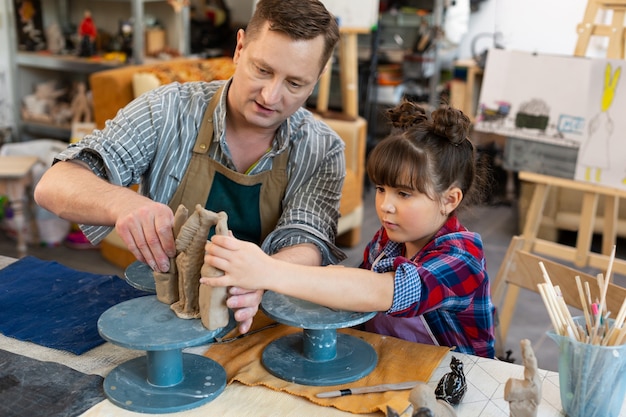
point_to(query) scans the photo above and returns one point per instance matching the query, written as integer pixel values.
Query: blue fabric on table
(33, 388)
(52, 305)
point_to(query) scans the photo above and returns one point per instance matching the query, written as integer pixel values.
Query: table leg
(16, 193)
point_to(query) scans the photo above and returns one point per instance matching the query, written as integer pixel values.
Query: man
(245, 146)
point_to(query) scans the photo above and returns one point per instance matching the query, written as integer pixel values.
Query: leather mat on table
(49, 304)
(398, 361)
(33, 388)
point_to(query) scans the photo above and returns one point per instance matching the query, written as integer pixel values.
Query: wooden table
(15, 177)
(484, 397)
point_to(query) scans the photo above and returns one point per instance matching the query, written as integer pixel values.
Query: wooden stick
(553, 319)
(610, 267)
(562, 306)
(621, 338)
(588, 293)
(546, 277)
(613, 334)
(621, 315)
(581, 294)
(598, 315)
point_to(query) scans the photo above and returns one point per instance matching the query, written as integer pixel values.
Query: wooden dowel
(609, 269)
(581, 294)
(553, 319)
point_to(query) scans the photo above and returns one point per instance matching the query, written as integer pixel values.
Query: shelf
(30, 68)
(46, 129)
(63, 62)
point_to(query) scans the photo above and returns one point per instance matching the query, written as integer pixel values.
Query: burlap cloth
(398, 361)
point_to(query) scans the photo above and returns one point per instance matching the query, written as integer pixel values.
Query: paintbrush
(366, 390)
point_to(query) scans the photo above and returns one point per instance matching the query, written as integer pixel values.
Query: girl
(423, 271)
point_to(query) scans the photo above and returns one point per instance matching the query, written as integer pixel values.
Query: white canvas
(569, 101)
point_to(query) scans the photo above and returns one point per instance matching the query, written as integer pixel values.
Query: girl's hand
(244, 264)
(241, 263)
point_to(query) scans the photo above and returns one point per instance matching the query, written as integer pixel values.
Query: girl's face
(409, 216)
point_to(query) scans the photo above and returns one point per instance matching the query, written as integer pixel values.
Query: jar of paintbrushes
(592, 350)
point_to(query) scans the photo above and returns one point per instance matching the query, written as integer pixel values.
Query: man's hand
(148, 231)
(245, 304)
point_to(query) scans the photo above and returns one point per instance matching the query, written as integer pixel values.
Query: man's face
(274, 77)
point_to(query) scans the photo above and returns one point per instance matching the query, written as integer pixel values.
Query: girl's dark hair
(298, 19)
(427, 154)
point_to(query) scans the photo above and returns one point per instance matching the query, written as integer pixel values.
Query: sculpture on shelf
(42, 106)
(180, 286)
(81, 105)
(452, 386)
(55, 39)
(424, 404)
(524, 395)
(87, 33)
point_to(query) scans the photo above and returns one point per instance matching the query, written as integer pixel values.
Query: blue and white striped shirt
(150, 141)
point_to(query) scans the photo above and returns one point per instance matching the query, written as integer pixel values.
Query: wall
(241, 10)
(6, 99)
(530, 25)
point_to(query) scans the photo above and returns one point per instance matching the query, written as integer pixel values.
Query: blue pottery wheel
(166, 379)
(319, 355)
(139, 275)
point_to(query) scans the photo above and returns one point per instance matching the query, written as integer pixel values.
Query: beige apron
(253, 202)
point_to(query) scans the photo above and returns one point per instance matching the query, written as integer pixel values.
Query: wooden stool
(349, 76)
(15, 177)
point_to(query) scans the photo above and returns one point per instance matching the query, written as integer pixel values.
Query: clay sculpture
(424, 404)
(524, 395)
(452, 386)
(167, 282)
(180, 286)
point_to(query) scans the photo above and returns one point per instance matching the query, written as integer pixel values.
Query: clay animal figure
(81, 105)
(180, 286)
(424, 404)
(452, 386)
(524, 395)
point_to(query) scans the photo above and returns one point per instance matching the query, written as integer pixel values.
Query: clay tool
(366, 390)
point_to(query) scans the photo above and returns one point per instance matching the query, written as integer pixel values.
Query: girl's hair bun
(451, 123)
(406, 115)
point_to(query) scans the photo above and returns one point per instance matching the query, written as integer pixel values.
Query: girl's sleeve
(444, 277)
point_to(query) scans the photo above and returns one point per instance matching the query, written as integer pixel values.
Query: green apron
(253, 202)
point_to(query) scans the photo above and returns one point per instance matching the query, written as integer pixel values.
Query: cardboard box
(155, 41)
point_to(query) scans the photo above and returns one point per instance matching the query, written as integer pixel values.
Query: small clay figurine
(87, 33)
(180, 286)
(452, 386)
(81, 106)
(524, 395)
(424, 404)
(40, 106)
(55, 39)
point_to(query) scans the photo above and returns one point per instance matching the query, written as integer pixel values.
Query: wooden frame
(520, 267)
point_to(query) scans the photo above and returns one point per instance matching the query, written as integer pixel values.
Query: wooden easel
(514, 273)
(615, 31)
(514, 269)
